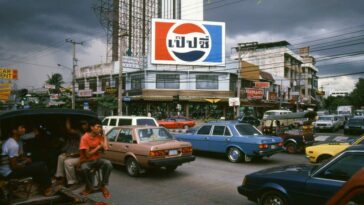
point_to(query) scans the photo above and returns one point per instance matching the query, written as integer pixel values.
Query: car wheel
(234, 155)
(323, 158)
(273, 198)
(291, 148)
(132, 167)
(185, 127)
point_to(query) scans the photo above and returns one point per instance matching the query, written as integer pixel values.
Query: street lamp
(73, 83)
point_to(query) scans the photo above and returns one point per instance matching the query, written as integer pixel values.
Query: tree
(56, 80)
(357, 95)
(107, 101)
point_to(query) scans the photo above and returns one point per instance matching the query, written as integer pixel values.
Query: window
(286, 71)
(227, 132)
(125, 136)
(344, 167)
(204, 130)
(154, 134)
(124, 122)
(105, 122)
(146, 122)
(111, 136)
(81, 84)
(245, 129)
(169, 81)
(218, 130)
(112, 122)
(207, 82)
(137, 82)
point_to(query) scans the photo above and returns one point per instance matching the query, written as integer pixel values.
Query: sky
(33, 34)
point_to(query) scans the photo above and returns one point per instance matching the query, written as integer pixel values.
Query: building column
(187, 110)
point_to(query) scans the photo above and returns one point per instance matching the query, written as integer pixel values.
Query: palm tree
(56, 80)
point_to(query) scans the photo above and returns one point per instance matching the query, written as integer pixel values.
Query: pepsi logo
(188, 42)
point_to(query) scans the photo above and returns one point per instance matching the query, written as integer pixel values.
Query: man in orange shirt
(92, 143)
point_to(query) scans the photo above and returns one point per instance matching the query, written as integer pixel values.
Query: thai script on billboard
(254, 93)
(262, 84)
(188, 42)
(6, 73)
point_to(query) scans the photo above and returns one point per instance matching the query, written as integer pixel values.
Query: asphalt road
(210, 179)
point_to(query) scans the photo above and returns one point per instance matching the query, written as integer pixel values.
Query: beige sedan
(144, 147)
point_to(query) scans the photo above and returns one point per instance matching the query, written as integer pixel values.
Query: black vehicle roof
(297, 115)
(356, 147)
(47, 111)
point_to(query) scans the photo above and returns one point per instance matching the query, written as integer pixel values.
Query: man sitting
(20, 166)
(92, 143)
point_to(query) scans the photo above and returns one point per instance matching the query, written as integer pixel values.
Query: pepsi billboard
(182, 42)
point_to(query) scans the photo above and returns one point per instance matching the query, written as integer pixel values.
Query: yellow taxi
(322, 152)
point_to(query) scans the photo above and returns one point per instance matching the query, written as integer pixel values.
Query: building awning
(266, 76)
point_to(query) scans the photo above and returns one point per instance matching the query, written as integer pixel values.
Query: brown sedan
(143, 147)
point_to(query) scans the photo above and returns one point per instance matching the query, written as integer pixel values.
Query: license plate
(173, 152)
(273, 146)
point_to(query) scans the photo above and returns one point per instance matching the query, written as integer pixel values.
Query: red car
(177, 123)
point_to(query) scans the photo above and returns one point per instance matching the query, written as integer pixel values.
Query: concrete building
(294, 75)
(162, 90)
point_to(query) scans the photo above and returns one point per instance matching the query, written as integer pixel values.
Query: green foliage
(56, 80)
(107, 101)
(357, 95)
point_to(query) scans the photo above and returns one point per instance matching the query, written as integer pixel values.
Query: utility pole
(120, 87)
(74, 43)
(239, 82)
(280, 95)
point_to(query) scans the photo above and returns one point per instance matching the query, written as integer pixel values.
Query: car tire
(291, 148)
(323, 158)
(235, 155)
(273, 198)
(132, 167)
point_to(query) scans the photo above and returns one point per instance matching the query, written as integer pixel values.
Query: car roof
(228, 122)
(136, 126)
(356, 147)
(278, 111)
(358, 117)
(128, 117)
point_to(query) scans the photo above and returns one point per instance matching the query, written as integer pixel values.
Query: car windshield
(326, 118)
(356, 121)
(154, 134)
(245, 129)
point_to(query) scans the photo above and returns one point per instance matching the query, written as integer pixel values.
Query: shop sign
(234, 102)
(262, 84)
(254, 93)
(111, 90)
(273, 96)
(85, 93)
(6, 73)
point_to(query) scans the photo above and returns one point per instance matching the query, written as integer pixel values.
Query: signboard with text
(85, 93)
(184, 42)
(6, 73)
(262, 84)
(254, 93)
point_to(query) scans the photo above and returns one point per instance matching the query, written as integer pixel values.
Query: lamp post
(73, 83)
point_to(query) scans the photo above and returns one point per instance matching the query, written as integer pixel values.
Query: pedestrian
(17, 165)
(92, 143)
(70, 156)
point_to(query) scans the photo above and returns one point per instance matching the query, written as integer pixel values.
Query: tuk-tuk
(296, 129)
(50, 124)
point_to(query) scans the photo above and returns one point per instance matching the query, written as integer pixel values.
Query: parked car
(303, 184)
(177, 123)
(250, 120)
(327, 122)
(323, 152)
(355, 125)
(144, 147)
(114, 121)
(239, 141)
(295, 129)
(352, 193)
(275, 113)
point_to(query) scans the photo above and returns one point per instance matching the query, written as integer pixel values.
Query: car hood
(299, 169)
(324, 122)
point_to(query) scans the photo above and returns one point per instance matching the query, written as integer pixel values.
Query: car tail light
(157, 153)
(280, 144)
(186, 150)
(263, 146)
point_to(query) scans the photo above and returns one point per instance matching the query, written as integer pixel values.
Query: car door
(124, 143)
(200, 140)
(111, 154)
(219, 139)
(331, 177)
